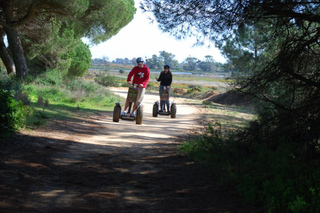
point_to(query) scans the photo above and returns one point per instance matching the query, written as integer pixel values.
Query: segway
(164, 96)
(131, 99)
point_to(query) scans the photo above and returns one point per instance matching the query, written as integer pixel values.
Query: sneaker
(132, 114)
(160, 110)
(124, 113)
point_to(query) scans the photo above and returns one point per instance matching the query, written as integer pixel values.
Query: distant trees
(208, 65)
(155, 62)
(190, 64)
(168, 58)
(124, 61)
(158, 61)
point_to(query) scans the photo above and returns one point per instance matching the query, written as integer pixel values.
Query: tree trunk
(4, 55)
(17, 52)
(15, 42)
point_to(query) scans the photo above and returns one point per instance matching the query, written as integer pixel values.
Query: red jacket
(141, 75)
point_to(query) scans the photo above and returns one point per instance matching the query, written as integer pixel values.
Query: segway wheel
(139, 115)
(155, 110)
(173, 110)
(116, 113)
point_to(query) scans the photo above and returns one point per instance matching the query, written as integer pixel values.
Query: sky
(140, 38)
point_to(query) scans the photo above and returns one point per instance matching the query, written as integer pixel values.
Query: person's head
(140, 62)
(166, 68)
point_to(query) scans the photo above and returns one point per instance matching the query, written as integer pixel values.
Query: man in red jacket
(141, 75)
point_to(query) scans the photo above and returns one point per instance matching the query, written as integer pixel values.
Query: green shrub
(107, 80)
(121, 70)
(202, 147)
(50, 77)
(194, 89)
(278, 180)
(80, 85)
(81, 61)
(12, 113)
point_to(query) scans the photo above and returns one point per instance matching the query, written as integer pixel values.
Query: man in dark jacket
(165, 79)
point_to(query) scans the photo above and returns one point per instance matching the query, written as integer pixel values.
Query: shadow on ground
(33, 179)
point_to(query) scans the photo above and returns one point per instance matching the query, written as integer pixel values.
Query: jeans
(163, 103)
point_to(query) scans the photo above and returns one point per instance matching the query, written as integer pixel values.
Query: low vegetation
(279, 179)
(49, 96)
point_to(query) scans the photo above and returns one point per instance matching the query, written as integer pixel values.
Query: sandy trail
(96, 165)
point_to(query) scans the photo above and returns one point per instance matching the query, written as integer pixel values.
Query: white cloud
(141, 38)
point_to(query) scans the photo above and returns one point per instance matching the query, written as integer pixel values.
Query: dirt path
(96, 165)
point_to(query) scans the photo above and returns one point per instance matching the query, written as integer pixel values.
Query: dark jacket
(165, 78)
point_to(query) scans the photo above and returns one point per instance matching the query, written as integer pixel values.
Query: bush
(121, 70)
(50, 77)
(194, 89)
(12, 113)
(80, 85)
(107, 80)
(81, 61)
(278, 179)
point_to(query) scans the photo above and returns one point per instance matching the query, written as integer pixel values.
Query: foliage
(13, 111)
(273, 48)
(190, 64)
(278, 180)
(155, 62)
(103, 19)
(208, 65)
(11, 116)
(194, 89)
(158, 61)
(107, 80)
(279, 67)
(168, 58)
(125, 61)
(74, 93)
(50, 29)
(201, 148)
(50, 49)
(121, 70)
(81, 61)
(50, 77)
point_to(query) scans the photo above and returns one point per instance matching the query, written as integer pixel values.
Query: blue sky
(140, 38)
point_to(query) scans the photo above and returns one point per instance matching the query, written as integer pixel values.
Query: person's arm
(160, 76)
(130, 75)
(170, 80)
(146, 78)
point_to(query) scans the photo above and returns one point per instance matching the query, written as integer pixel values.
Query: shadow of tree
(37, 176)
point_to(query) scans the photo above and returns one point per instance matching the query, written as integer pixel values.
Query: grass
(208, 78)
(231, 117)
(69, 100)
(274, 180)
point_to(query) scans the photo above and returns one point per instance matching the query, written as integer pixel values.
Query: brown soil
(232, 98)
(95, 165)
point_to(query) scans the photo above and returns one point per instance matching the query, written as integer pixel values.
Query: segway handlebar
(166, 87)
(135, 85)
